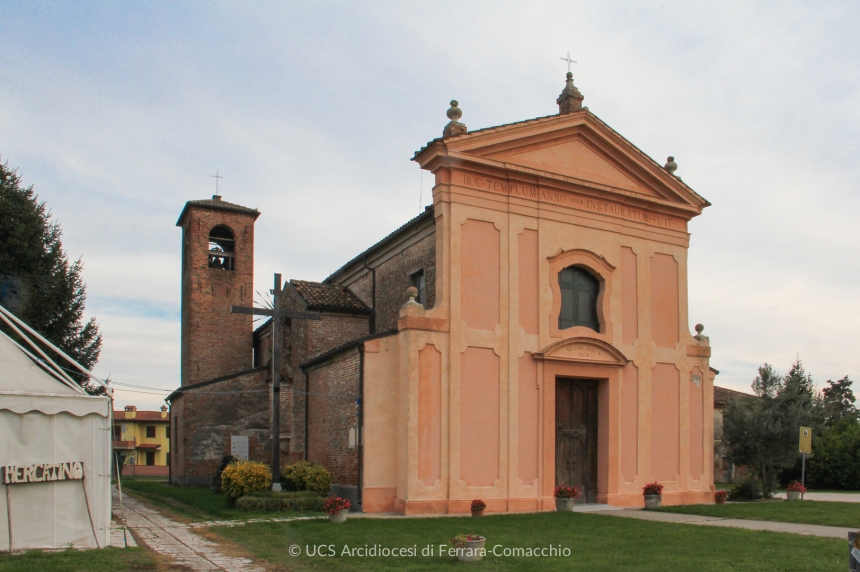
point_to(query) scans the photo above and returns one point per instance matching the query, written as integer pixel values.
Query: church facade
(528, 330)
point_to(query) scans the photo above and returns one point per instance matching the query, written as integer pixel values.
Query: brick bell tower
(217, 272)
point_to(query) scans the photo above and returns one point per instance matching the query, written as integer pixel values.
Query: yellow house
(142, 441)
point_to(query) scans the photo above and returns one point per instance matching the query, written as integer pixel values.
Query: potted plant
(478, 507)
(720, 497)
(794, 490)
(653, 494)
(337, 508)
(566, 496)
(469, 547)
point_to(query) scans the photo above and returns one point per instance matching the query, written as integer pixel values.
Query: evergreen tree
(763, 433)
(37, 282)
(839, 402)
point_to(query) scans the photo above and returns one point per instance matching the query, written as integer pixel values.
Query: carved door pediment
(583, 350)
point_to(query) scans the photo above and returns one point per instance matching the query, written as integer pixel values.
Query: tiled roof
(141, 416)
(328, 297)
(411, 223)
(723, 395)
(217, 204)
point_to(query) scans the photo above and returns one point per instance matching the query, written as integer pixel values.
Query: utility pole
(278, 315)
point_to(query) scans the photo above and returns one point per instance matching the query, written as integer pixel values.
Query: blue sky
(119, 112)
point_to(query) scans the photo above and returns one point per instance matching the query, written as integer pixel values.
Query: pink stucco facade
(461, 402)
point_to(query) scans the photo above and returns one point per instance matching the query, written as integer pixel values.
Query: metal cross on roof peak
(568, 60)
(216, 176)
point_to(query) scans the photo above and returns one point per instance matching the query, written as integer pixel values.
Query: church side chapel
(527, 330)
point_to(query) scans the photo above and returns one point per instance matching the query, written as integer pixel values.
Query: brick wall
(332, 413)
(393, 278)
(204, 418)
(214, 341)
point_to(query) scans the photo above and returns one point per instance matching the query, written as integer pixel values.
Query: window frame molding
(598, 267)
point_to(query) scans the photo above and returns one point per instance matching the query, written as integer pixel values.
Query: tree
(37, 282)
(839, 402)
(763, 433)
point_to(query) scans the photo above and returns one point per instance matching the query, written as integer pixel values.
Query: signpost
(278, 314)
(805, 448)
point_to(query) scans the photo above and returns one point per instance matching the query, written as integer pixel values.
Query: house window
(150, 458)
(167, 432)
(579, 290)
(221, 248)
(117, 432)
(418, 281)
(150, 431)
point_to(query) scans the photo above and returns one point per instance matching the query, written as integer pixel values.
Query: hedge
(268, 501)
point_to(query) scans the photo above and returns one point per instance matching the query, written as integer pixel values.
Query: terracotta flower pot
(792, 495)
(471, 551)
(653, 501)
(721, 500)
(564, 505)
(339, 516)
(477, 512)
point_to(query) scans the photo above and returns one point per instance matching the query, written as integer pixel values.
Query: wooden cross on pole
(278, 315)
(568, 60)
(216, 176)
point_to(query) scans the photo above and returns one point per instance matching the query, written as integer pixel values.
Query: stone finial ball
(670, 158)
(454, 113)
(699, 328)
(569, 75)
(412, 292)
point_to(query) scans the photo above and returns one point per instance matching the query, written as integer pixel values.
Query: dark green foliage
(763, 433)
(748, 490)
(306, 476)
(37, 282)
(835, 462)
(216, 476)
(839, 402)
(269, 501)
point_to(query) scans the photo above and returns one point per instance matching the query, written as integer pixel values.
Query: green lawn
(596, 543)
(105, 560)
(194, 503)
(806, 512)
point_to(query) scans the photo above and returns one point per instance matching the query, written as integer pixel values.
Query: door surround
(586, 359)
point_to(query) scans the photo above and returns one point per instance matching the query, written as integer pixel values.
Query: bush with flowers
(478, 504)
(795, 487)
(243, 477)
(654, 488)
(334, 505)
(721, 495)
(460, 540)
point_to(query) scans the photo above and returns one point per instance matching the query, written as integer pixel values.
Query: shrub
(748, 490)
(334, 505)
(216, 477)
(654, 488)
(563, 492)
(795, 487)
(306, 476)
(835, 463)
(720, 495)
(243, 477)
(478, 504)
(269, 501)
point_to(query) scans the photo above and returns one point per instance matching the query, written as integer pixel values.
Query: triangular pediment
(575, 157)
(577, 146)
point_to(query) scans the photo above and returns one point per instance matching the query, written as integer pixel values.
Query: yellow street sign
(806, 440)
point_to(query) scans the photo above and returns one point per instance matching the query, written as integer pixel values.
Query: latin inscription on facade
(43, 472)
(583, 351)
(564, 198)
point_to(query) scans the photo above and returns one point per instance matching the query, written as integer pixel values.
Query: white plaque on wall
(239, 446)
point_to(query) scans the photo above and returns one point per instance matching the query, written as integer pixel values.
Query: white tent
(55, 447)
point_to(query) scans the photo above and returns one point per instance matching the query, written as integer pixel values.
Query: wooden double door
(576, 435)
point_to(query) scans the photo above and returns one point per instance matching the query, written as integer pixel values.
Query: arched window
(579, 290)
(221, 248)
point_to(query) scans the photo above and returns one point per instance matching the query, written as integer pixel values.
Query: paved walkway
(832, 497)
(805, 529)
(177, 540)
